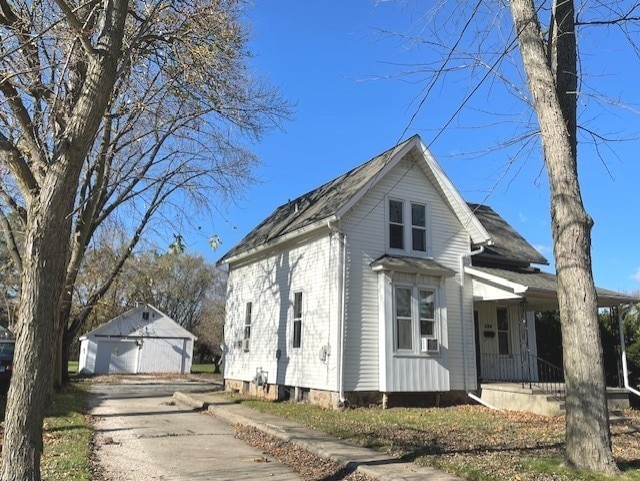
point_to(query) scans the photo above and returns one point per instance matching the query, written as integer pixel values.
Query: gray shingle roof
(534, 279)
(314, 206)
(508, 245)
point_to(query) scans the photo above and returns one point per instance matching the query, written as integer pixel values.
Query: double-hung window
(247, 326)
(427, 310)
(410, 225)
(297, 319)
(396, 224)
(416, 327)
(419, 227)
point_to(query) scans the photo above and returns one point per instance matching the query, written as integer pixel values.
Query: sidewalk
(372, 463)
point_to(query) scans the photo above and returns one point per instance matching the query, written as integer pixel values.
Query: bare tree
(108, 108)
(522, 55)
(551, 68)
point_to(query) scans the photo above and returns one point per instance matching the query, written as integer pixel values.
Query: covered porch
(511, 373)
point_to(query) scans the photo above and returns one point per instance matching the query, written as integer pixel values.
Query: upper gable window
(396, 224)
(407, 226)
(419, 227)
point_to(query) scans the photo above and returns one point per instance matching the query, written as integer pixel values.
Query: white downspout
(625, 370)
(342, 290)
(463, 257)
(480, 250)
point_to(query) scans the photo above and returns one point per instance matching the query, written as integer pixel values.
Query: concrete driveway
(142, 434)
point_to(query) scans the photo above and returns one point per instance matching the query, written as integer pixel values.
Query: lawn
(471, 441)
(67, 436)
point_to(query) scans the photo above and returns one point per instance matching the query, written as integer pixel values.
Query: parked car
(6, 359)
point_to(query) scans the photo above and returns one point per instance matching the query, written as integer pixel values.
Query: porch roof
(494, 283)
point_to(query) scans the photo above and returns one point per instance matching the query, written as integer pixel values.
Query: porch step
(515, 397)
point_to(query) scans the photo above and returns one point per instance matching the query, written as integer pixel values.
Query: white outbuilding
(142, 340)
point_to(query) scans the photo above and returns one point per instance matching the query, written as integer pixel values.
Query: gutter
(321, 224)
(625, 369)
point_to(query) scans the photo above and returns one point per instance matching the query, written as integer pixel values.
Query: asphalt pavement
(142, 433)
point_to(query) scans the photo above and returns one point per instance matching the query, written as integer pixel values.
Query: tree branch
(76, 26)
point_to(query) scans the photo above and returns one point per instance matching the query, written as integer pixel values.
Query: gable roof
(507, 244)
(332, 200)
(133, 324)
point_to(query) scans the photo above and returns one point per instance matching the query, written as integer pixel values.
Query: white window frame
(423, 229)
(296, 319)
(403, 224)
(416, 336)
(246, 332)
(408, 227)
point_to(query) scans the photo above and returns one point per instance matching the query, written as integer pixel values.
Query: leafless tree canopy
(121, 109)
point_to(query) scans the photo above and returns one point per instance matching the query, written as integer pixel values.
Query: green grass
(472, 442)
(72, 367)
(202, 368)
(67, 437)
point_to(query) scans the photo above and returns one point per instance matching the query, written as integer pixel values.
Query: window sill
(414, 355)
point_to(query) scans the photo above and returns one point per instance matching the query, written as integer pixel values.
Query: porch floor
(540, 398)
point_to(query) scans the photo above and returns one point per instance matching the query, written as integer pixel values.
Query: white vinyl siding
(366, 232)
(310, 267)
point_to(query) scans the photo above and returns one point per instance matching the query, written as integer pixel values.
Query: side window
(428, 337)
(419, 227)
(297, 319)
(504, 335)
(403, 318)
(247, 326)
(396, 224)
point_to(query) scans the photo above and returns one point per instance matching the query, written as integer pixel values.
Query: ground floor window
(297, 319)
(416, 327)
(247, 326)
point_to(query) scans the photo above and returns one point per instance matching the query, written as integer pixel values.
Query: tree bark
(48, 230)
(588, 440)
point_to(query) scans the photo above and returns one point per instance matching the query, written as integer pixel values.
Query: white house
(383, 285)
(142, 340)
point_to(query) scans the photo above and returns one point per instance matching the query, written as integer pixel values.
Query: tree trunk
(46, 254)
(588, 440)
(44, 267)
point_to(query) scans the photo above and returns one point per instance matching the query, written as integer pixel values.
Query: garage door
(115, 357)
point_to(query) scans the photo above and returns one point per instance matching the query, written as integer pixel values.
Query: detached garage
(141, 340)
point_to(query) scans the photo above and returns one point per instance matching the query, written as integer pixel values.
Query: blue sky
(330, 59)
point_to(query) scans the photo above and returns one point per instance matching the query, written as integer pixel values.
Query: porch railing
(527, 370)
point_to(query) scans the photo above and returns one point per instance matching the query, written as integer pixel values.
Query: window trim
(246, 334)
(296, 320)
(390, 223)
(416, 336)
(408, 227)
(423, 228)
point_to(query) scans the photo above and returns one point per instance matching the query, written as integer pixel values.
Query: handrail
(526, 369)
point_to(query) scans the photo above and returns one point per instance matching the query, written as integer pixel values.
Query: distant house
(142, 340)
(384, 285)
